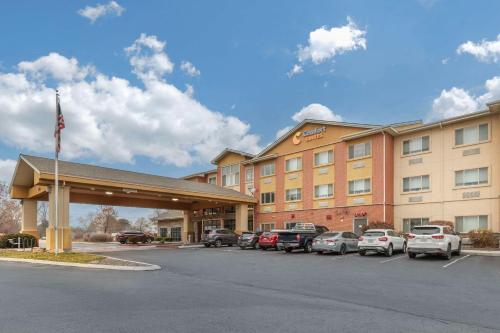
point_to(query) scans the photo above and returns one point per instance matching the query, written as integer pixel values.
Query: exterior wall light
(108, 193)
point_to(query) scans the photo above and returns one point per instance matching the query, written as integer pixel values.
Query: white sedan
(384, 241)
(433, 239)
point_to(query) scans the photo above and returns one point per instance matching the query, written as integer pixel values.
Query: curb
(191, 246)
(482, 253)
(148, 267)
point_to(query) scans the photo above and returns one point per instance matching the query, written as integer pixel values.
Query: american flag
(59, 125)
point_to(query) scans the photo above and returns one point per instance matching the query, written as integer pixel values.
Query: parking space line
(392, 259)
(454, 261)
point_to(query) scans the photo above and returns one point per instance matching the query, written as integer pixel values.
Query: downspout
(384, 187)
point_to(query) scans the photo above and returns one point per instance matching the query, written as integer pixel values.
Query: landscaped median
(76, 259)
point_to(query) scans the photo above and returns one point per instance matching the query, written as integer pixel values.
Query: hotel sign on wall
(309, 135)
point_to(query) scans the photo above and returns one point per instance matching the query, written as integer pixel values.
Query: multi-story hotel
(345, 175)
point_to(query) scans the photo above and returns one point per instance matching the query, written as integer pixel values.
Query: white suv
(381, 241)
(433, 239)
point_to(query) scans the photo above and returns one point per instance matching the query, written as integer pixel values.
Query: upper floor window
(417, 183)
(471, 177)
(323, 191)
(408, 224)
(360, 150)
(324, 157)
(468, 223)
(267, 169)
(267, 198)
(470, 135)
(212, 180)
(359, 186)
(293, 164)
(293, 194)
(249, 175)
(416, 145)
(231, 175)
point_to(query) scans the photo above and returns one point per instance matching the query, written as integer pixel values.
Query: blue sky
(140, 109)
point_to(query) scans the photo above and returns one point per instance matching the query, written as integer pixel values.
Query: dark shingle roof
(46, 165)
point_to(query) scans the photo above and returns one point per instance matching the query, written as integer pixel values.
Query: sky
(163, 86)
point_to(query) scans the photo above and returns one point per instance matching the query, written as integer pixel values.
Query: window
(175, 234)
(471, 177)
(359, 186)
(212, 180)
(416, 145)
(267, 169)
(250, 222)
(293, 164)
(266, 226)
(324, 157)
(323, 191)
(163, 232)
(471, 135)
(230, 224)
(293, 194)
(417, 183)
(290, 225)
(408, 224)
(231, 175)
(360, 150)
(249, 175)
(267, 198)
(468, 223)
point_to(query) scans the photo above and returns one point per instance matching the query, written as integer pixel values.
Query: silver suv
(219, 237)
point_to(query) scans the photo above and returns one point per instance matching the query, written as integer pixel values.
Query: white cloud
(189, 69)
(93, 13)
(297, 69)
(148, 58)
(57, 67)
(457, 101)
(314, 111)
(110, 119)
(7, 170)
(445, 61)
(324, 44)
(486, 51)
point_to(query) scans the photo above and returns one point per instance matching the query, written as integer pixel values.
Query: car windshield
(329, 234)
(247, 234)
(374, 234)
(268, 234)
(425, 230)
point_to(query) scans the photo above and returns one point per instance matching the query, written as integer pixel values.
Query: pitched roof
(170, 215)
(200, 174)
(229, 150)
(88, 171)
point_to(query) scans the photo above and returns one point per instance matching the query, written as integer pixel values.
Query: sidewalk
(482, 252)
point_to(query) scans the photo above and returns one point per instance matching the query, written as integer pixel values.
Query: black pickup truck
(300, 237)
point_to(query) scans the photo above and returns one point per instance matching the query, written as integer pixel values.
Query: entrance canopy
(90, 184)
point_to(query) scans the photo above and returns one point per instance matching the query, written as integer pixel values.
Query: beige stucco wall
(444, 201)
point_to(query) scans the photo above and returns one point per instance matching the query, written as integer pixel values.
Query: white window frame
(421, 185)
(476, 140)
(330, 157)
(268, 169)
(233, 175)
(289, 225)
(365, 147)
(418, 146)
(477, 171)
(459, 221)
(246, 174)
(297, 164)
(293, 192)
(357, 181)
(316, 196)
(270, 224)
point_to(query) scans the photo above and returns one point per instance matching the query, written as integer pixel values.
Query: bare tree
(104, 219)
(10, 211)
(42, 218)
(143, 224)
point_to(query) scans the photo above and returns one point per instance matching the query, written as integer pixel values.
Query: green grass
(74, 257)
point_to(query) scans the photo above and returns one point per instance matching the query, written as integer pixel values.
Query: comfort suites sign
(309, 135)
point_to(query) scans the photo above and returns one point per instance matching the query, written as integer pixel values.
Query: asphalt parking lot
(230, 290)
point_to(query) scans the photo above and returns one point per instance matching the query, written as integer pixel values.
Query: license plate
(370, 241)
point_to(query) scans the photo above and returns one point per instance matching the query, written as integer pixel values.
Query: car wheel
(256, 246)
(319, 252)
(242, 247)
(412, 255)
(389, 251)
(230, 244)
(122, 242)
(403, 250)
(459, 250)
(218, 243)
(362, 253)
(288, 250)
(207, 245)
(308, 248)
(448, 252)
(264, 248)
(342, 250)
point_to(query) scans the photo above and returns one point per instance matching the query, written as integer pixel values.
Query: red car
(268, 240)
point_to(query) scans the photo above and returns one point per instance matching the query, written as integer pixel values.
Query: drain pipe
(384, 186)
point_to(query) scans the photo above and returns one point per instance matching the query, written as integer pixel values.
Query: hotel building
(345, 175)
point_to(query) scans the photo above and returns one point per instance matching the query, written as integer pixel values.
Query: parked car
(384, 241)
(249, 239)
(268, 240)
(299, 237)
(433, 239)
(335, 241)
(133, 236)
(219, 237)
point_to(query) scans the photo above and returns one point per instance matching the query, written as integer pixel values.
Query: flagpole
(56, 184)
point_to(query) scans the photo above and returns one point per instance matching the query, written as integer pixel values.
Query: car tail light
(361, 238)
(298, 237)
(274, 237)
(383, 239)
(438, 236)
(410, 236)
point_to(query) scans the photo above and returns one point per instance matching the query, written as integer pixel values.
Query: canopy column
(241, 215)
(64, 230)
(187, 228)
(29, 211)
